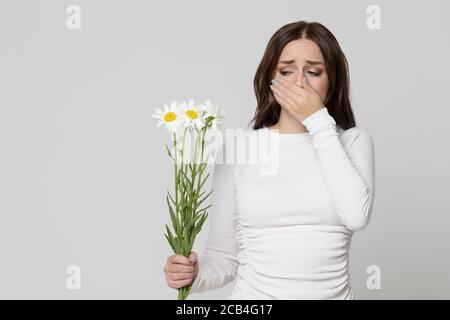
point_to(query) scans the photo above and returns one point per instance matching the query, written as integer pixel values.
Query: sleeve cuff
(319, 121)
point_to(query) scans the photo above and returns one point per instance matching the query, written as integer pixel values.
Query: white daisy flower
(170, 117)
(191, 115)
(214, 111)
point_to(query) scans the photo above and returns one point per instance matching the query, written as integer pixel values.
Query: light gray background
(83, 171)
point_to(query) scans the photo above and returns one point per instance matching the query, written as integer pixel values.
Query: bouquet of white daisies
(187, 215)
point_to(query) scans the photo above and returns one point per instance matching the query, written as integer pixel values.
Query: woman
(288, 235)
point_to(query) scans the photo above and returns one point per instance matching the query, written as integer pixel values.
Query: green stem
(181, 193)
(176, 176)
(194, 173)
(183, 292)
(203, 147)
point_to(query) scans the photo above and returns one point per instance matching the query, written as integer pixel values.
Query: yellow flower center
(192, 114)
(170, 116)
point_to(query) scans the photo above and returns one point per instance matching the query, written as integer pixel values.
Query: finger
(193, 257)
(179, 275)
(292, 91)
(178, 258)
(292, 88)
(179, 268)
(282, 102)
(179, 283)
(283, 97)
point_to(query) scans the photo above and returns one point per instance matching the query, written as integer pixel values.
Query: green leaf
(173, 201)
(179, 245)
(203, 199)
(175, 222)
(171, 240)
(168, 151)
(185, 179)
(192, 239)
(171, 243)
(203, 182)
(205, 208)
(201, 222)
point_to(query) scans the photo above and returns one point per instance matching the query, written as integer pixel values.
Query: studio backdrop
(83, 167)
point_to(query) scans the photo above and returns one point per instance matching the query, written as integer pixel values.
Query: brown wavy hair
(337, 101)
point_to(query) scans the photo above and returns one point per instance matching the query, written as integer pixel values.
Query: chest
(295, 193)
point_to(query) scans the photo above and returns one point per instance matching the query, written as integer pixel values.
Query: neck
(288, 124)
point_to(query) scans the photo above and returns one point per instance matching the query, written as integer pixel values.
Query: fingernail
(274, 81)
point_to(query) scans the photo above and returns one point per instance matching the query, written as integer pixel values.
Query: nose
(299, 80)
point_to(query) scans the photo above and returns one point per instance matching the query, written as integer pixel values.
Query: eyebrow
(307, 61)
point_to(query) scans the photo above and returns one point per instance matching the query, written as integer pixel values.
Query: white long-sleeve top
(287, 235)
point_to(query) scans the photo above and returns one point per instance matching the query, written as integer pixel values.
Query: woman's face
(303, 58)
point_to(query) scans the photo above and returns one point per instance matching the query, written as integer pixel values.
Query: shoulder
(357, 140)
(240, 137)
(238, 150)
(354, 135)
(229, 142)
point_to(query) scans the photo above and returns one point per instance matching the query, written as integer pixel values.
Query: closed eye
(284, 73)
